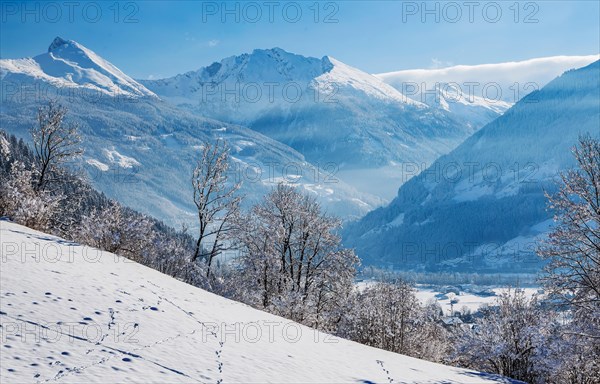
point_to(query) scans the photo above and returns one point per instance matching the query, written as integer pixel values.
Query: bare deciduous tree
(573, 271)
(573, 246)
(292, 262)
(55, 143)
(216, 202)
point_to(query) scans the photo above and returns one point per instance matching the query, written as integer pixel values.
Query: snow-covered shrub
(389, 316)
(172, 253)
(511, 338)
(4, 147)
(25, 205)
(118, 230)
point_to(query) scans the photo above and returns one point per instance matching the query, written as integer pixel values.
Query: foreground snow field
(74, 314)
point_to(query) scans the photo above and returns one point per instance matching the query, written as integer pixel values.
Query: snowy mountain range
(74, 314)
(253, 84)
(482, 206)
(141, 150)
(373, 129)
(329, 111)
(346, 136)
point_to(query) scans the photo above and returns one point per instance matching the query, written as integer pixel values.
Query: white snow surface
(472, 301)
(74, 314)
(123, 161)
(98, 164)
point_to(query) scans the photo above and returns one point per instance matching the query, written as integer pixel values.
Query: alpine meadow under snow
(74, 314)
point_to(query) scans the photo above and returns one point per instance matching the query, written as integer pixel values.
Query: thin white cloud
(213, 43)
(436, 64)
(188, 37)
(538, 71)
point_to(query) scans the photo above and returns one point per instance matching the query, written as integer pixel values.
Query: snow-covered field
(464, 299)
(74, 314)
(444, 296)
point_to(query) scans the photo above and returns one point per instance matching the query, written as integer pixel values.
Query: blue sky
(159, 39)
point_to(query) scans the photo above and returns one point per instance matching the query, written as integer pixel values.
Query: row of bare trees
(41, 189)
(288, 255)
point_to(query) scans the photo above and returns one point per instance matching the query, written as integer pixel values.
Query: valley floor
(472, 301)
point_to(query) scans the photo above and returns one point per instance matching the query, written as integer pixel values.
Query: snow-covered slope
(329, 111)
(469, 107)
(141, 150)
(72, 314)
(71, 66)
(482, 206)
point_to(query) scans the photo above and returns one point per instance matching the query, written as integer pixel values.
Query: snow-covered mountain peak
(276, 71)
(263, 65)
(57, 42)
(68, 64)
(70, 49)
(328, 63)
(275, 53)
